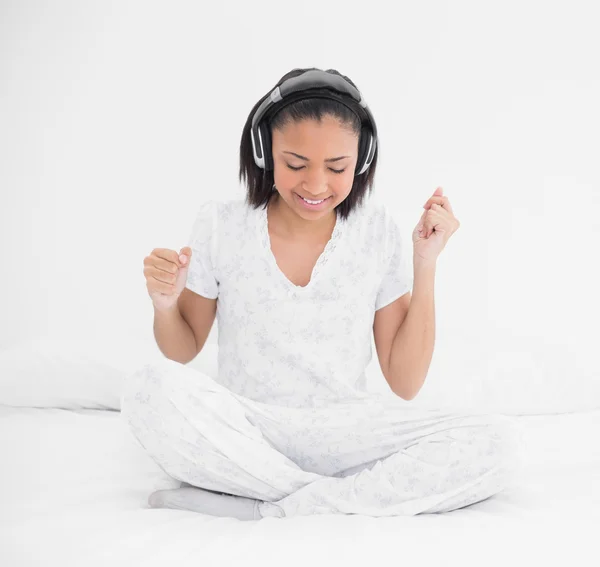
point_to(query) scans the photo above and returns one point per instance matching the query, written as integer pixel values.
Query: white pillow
(79, 373)
(504, 374)
(68, 373)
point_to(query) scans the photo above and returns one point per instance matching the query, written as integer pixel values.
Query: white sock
(206, 502)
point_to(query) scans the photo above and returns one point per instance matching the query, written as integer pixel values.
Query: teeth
(313, 202)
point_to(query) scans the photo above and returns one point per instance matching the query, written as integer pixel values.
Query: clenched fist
(166, 274)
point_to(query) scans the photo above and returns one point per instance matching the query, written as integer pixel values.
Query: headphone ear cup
(267, 146)
(363, 145)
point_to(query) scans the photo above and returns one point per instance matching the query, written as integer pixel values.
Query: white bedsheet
(75, 488)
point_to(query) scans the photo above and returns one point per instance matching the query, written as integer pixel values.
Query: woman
(299, 274)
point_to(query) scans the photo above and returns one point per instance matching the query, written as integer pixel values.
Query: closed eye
(334, 170)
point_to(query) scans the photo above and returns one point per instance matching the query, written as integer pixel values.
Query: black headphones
(313, 84)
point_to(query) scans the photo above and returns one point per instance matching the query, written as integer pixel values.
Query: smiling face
(312, 149)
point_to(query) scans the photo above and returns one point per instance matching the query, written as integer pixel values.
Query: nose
(315, 185)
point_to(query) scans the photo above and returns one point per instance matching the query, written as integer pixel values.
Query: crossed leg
(368, 456)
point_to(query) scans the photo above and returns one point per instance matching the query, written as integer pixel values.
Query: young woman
(301, 275)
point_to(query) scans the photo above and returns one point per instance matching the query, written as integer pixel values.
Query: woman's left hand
(435, 227)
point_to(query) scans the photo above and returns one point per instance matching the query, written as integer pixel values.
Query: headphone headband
(314, 84)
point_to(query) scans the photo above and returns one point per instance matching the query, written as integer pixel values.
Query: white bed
(75, 485)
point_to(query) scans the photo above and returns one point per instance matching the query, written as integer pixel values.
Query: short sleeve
(202, 277)
(398, 275)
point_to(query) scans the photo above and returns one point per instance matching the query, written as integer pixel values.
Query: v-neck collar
(265, 241)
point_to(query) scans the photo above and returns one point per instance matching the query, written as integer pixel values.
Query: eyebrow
(306, 159)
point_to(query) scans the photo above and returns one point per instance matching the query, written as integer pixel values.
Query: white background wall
(118, 119)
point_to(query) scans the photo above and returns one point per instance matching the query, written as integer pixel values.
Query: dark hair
(260, 182)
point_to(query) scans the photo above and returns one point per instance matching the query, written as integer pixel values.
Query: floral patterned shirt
(284, 344)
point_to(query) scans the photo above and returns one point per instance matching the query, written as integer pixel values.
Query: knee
(145, 384)
(159, 382)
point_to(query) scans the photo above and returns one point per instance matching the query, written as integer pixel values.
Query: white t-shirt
(285, 344)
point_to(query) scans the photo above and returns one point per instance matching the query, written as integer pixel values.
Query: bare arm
(412, 347)
(173, 335)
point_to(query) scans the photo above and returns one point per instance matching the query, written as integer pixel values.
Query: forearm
(412, 347)
(174, 336)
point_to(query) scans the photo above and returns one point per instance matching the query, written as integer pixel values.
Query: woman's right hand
(166, 274)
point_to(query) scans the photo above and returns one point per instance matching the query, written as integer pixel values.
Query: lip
(312, 207)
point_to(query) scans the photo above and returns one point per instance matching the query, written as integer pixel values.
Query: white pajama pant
(371, 455)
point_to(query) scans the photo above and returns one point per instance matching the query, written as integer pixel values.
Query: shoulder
(232, 209)
(385, 232)
(376, 222)
(206, 212)
(384, 214)
(223, 211)
(230, 220)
